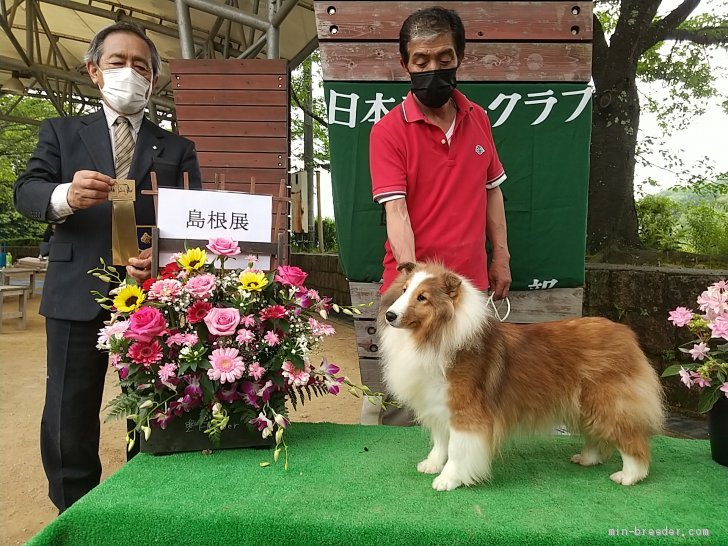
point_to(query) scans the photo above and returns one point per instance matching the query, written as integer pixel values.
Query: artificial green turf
(358, 485)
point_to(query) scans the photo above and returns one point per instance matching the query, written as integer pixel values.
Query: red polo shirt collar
(411, 110)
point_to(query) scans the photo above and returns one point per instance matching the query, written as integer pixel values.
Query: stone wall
(642, 297)
(639, 296)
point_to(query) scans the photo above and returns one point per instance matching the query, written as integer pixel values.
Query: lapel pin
(154, 147)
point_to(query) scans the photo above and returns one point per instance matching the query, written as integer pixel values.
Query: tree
(629, 40)
(304, 80)
(17, 143)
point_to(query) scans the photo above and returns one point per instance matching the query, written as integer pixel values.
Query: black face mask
(434, 87)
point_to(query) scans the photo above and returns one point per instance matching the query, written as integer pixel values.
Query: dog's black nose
(391, 316)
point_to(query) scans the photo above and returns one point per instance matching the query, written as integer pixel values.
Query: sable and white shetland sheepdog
(473, 381)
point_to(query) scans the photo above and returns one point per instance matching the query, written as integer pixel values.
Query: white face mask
(125, 90)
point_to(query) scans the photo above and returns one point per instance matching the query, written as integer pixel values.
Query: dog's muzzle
(391, 317)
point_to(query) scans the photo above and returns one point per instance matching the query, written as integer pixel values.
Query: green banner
(542, 135)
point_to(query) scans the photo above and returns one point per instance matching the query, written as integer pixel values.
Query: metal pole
(320, 214)
(106, 14)
(228, 12)
(308, 162)
(226, 45)
(184, 26)
(272, 45)
(283, 11)
(29, 30)
(254, 49)
(9, 63)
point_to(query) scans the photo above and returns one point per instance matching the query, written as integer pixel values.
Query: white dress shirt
(59, 209)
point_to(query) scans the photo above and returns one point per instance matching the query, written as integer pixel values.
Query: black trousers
(70, 427)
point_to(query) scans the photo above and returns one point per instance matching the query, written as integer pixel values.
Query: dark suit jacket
(71, 144)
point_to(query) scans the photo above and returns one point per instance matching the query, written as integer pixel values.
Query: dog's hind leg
(634, 448)
(435, 461)
(468, 461)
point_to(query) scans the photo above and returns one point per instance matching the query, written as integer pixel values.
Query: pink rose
(290, 275)
(146, 324)
(222, 321)
(223, 246)
(201, 286)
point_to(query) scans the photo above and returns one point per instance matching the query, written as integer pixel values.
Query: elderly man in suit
(67, 183)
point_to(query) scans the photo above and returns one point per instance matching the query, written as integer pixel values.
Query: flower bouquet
(708, 370)
(200, 340)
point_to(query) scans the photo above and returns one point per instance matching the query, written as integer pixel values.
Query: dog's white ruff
(416, 376)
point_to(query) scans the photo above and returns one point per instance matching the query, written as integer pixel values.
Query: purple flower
(265, 390)
(249, 393)
(193, 386)
(699, 380)
(680, 316)
(162, 419)
(262, 423)
(724, 388)
(319, 329)
(685, 377)
(699, 351)
(228, 394)
(719, 327)
(328, 368)
(184, 404)
(332, 385)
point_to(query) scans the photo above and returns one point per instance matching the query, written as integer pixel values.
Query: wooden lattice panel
(505, 41)
(236, 113)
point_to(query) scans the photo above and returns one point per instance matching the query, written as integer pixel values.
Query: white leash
(491, 302)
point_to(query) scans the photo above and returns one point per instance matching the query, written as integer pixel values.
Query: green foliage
(307, 87)
(17, 143)
(331, 243)
(122, 406)
(686, 220)
(707, 229)
(310, 244)
(659, 222)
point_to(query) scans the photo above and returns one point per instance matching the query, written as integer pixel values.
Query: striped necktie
(123, 146)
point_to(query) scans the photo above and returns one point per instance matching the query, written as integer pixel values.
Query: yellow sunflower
(129, 299)
(253, 281)
(193, 259)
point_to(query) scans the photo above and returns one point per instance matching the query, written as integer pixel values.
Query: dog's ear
(406, 267)
(451, 284)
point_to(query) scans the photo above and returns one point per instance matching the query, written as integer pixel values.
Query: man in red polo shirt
(434, 165)
(435, 169)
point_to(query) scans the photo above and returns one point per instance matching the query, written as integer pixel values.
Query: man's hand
(88, 189)
(499, 275)
(141, 268)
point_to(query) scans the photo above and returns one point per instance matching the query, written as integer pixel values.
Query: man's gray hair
(95, 48)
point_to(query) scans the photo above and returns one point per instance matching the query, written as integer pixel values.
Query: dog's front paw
(586, 459)
(625, 478)
(445, 483)
(430, 466)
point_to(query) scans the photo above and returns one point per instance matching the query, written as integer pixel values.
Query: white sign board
(200, 214)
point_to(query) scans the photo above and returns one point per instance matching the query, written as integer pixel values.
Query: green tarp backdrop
(542, 134)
